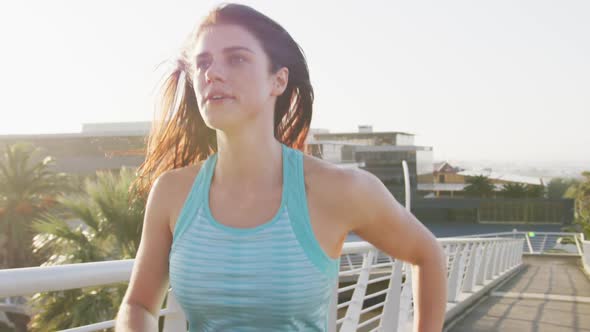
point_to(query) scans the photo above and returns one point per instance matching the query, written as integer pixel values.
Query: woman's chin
(215, 114)
(221, 122)
(222, 109)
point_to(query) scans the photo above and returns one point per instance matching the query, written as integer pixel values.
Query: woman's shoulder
(335, 188)
(173, 179)
(177, 184)
(330, 176)
(181, 174)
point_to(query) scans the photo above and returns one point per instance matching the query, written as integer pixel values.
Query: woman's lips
(219, 101)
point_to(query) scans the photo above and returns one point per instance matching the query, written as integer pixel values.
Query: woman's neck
(248, 162)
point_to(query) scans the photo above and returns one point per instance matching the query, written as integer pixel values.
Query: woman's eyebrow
(226, 50)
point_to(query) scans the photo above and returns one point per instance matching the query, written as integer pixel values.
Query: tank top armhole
(299, 215)
(191, 205)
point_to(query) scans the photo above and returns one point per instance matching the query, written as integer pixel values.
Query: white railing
(474, 264)
(541, 243)
(585, 254)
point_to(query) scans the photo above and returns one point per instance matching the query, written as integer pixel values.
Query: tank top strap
(193, 201)
(208, 169)
(290, 169)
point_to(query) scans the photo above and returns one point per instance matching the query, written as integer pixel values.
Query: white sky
(500, 80)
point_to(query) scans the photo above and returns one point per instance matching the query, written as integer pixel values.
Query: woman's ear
(280, 82)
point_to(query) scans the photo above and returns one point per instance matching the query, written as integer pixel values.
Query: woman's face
(233, 83)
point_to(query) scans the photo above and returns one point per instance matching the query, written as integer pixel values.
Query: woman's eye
(236, 59)
(202, 64)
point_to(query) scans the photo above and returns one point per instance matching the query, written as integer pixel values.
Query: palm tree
(27, 188)
(104, 223)
(514, 190)
(479, 186)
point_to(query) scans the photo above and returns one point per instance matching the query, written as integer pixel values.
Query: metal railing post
(353, 313)
(491, 263)
(390, 319)
(528, 241)
(469, 282)
(455, 279)
(482, 271)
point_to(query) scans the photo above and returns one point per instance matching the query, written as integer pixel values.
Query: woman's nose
(214, 73)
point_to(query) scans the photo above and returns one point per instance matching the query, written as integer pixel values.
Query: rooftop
(503, 176)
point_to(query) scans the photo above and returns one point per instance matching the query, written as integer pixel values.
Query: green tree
(557, 187)
(580, 192)
(533, 191)
(104, 223)
(479, 186)
(514, 190)
(28, 187)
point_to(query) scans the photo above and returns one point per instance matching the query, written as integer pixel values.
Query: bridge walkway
(550, 293)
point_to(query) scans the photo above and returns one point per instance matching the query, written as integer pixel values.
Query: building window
(441, 178)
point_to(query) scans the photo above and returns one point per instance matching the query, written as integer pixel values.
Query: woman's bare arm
(133, 317)
(380, 219)
(149, 279)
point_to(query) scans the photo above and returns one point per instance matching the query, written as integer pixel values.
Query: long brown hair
(182, 138)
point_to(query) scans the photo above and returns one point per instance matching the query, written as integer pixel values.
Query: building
(98, 147)
(380, 153)
(450, 181)
(110, 146)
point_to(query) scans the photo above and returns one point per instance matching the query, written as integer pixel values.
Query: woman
(246, 228)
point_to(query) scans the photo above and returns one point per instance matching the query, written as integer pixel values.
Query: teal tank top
(273, 277)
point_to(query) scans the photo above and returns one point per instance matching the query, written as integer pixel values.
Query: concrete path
(551, 293)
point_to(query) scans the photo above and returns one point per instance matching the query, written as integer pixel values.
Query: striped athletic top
(273, 277)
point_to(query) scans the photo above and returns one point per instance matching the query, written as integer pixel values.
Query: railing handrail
(544, 247)
(520, 232)
(475, 265)
(17, 282)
